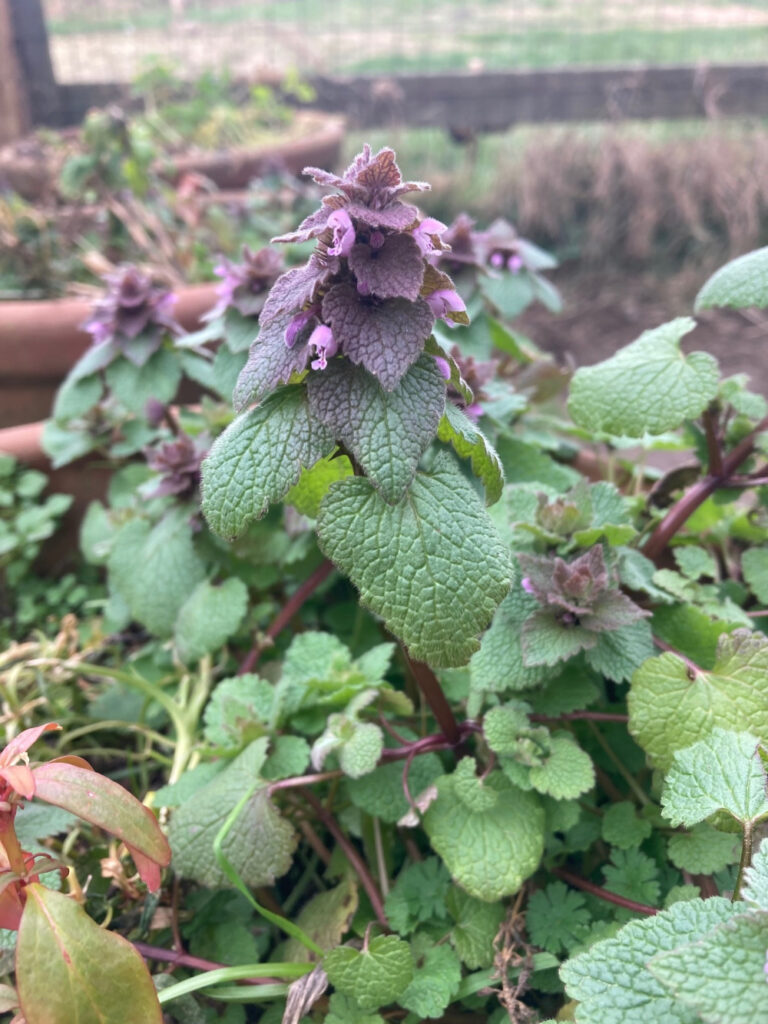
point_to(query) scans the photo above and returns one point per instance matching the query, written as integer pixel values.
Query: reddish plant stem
(698, 494)
(581, 883)
(693, 668)
(354, 858)
(170, 956)
(287, 612)
(429, 685)
(714, 450)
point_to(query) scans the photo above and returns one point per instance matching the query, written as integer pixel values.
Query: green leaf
(672, 705)
(326, 919)
(289, 756)
(471, 790)
(621, 826)
(76, 397)
(259, 845)
(240, 709)
(510, 294)
(498, 666)
(469, 442)
(754, 567)
(155, 568)
(755, 889)
(374, 976)
(346, 1010)
(435, 983)
(306, 495)
(690, 631)
(258, 458)
(69, 969)
(566, 772)
(418, 895)
(358, 745)
(380, 793)
(239, 331)
(695, 562)
(722, 976)
(739, 284)
(703, 850)
(386, 431)
(476, 924)
(489, 852)
(209, 617)
(611, 981)
(134, 385)
(431, 566)
(527, 463)
(721, 772)
(633, 875)
(647, 387)
(557, 918)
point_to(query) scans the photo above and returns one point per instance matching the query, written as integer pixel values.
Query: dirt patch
(601, 315)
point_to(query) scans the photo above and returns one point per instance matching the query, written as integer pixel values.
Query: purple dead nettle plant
(244, 286)
(134, 316)
(368, 292)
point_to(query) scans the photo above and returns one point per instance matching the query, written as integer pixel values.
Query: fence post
(34, 60)
(14, 106)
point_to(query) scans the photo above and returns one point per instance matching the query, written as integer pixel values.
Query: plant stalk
(429, 685)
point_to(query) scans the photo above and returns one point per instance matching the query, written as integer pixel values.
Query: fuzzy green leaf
(722, 976)
(134, 385)
(566, 772)
(258, 458)
(611, 981)
(155, 568)
(754, 566)
(755, 889)
(498, 665)
(326, 919)
(721, 772)
(647, 387)
(240, 709)
(739, 284)
(209, 617)
(476, 924)
(489, 852)
(386, 431)
(431, 566)
(469, 442)
(434, 985)
(374, 976)
(622, 827)
(633, 875)
(672, 705)
(259, 845)
(380, 793)
(306, 495)
(346, 1010)
(703, 850)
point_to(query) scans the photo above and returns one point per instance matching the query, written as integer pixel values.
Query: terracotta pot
(86, 480)
(40, 341)
(315, 141)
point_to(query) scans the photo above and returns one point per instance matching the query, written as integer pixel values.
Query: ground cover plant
(450, 706)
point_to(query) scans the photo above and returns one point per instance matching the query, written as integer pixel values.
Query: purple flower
(343, 233)
(515, 263)
(135, 314)
(245, 285)
(444, 302)
(525, 583)
(475, 374)
(423, 233)
(324, 344)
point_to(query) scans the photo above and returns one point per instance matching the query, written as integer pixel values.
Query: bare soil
(600, 316)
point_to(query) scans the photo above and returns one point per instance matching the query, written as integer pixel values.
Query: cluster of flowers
(370, 291)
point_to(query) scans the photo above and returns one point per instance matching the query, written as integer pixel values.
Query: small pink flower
(324, 344)
(514, 263)
(443, 367)
(343, 233)
(422, 234)
(297, 325)
(525, 583)
(497, 260)
(445, 301)
(376, 240)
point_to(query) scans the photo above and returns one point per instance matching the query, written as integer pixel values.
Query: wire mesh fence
(113, 40)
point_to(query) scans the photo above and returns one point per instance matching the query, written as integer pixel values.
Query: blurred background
(628, 137)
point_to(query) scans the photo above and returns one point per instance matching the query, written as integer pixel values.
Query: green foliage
(375, 975)
(441, 538)
(739, 284)
(622, 827)
(209, 617)
(418, 895)
(469, 442)
(646, 388)
(557, 918)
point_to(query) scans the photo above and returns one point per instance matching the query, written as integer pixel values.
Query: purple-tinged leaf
(394, 270)
(294, 289)
(271, 362)
(106, 804)
(385, 336)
